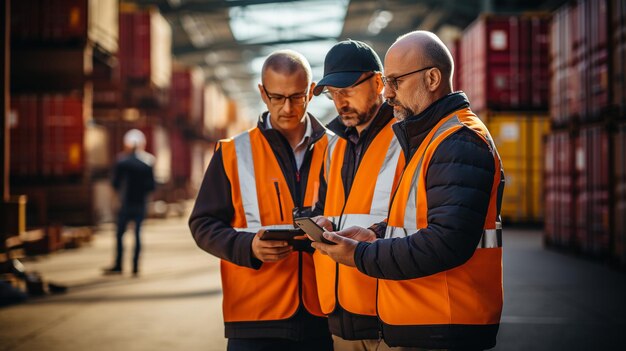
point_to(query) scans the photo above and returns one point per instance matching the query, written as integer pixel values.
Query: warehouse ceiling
(230, 38)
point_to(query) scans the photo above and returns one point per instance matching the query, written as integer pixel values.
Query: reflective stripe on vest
(367, 203)
(470, 294)
(274, 291)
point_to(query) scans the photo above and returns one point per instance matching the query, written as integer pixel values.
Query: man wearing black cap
(356, 186)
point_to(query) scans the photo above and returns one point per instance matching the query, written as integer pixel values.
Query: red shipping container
(564, 83)
(26, 20)
(145, 48)
(592, 191)
(63, 132)
(619, 55)
(180, 94)
(559, 190)
(580, 79)
(24, 124)
(64, 21)
(187, 95)
(181, 157)
(135, 46)
(504, 61)
(619, 191)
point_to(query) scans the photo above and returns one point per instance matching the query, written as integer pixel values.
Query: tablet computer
(312, 229)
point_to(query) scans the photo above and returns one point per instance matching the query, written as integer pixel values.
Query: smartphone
(281, 234)
(312, 229)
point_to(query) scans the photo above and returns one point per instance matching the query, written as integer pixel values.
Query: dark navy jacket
(458, 187)
(133, 179)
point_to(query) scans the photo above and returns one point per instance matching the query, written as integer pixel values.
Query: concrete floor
(552, 301)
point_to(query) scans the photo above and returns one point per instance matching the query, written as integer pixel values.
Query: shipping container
(619, 195)
(560, 220)
(25, 132)
(619, 56)
(181, 157)
(65, 22)
(581, 59)
(145, 48)
(47, 133)
(63, 130)
(187, 95)
(64, 69)
(519, 137)
(505, 62)
(592, 191)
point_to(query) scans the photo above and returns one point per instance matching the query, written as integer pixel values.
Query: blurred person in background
(261, 179)
(440, 262)
(360, 177)
(133, 180)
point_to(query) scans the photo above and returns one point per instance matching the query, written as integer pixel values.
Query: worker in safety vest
(440, 262)
(356, 187)
(256, 181)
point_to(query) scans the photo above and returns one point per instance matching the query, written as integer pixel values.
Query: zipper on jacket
(280, 203)
(380, 321)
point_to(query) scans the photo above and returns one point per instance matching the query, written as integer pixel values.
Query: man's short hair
(439, 56)
(287, 62)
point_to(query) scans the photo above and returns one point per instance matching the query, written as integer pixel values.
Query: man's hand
(270, 250)
(324, 223)
(358, 234)
(342, 253)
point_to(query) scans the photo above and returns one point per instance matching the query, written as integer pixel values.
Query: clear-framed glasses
(393, 81)
(279, 100)
(345, 92)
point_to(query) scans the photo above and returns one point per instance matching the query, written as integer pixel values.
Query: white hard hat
(135, 138)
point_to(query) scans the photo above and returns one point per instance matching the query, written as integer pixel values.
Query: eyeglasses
(279, 100)
(345, 92)
(393, 81)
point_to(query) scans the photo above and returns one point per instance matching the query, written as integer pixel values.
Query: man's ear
(311, 90)
(379, 82)
(262, 92)
(433, 79)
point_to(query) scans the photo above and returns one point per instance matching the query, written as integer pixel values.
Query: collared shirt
(300, 149)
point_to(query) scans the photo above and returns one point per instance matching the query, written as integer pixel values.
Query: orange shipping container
(519, 138)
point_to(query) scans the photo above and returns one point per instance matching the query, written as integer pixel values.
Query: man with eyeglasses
(356, 187)
(257, 181)
(440, 262)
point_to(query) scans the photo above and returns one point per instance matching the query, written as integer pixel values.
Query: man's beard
(400, 112)
(361, 118)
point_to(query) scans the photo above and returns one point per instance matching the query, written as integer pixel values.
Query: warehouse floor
(553, 301)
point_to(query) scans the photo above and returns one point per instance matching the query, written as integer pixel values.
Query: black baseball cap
(346, 62)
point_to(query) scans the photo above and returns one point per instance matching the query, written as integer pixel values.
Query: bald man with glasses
(258, 181)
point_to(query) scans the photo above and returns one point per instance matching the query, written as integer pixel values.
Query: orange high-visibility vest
(470, 294)
(367, 203)
(274, 291)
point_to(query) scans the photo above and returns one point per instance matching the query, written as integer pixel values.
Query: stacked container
(55, 48)
(559, 189)
(145, 48)
(502, 66)
(588, 80)
(504, 62)
(187, 95)
(619, 195)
